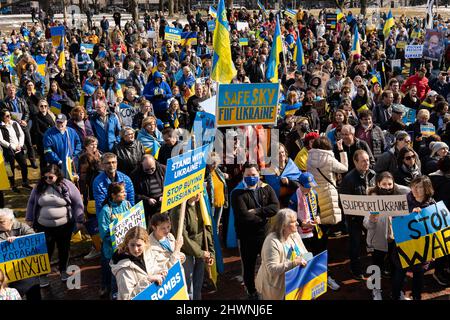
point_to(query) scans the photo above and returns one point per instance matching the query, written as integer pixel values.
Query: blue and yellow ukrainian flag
(261, 7)
(376, 77)
(290, 13)
(212, 12)
(309, 282)
(40, 61)
(340, 15)
(223, 69)
(388, 25)
(55, 107)
(188, 38)
(274, 58)
(299, 56)
(356, 47)
(57, 34)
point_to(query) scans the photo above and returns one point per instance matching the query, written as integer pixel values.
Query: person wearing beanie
(302, 157)
(438, 151)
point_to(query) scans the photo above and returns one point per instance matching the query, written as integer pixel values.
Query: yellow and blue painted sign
(184, 177)
(247, 104)
(423, 236)
(132, 218)
(172, 34)
(26, 257)
(173, 287)
(309, 282)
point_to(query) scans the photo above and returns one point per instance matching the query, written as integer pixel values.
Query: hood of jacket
(319, 158)
(157, 75)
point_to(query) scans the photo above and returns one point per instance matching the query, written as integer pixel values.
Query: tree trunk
(171, 11)
(229, 4)
(80, 5)
(176, 6)
(161, 5)
(363, 7)
(133, 7)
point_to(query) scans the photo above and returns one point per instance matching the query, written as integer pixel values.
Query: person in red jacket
(420, 81)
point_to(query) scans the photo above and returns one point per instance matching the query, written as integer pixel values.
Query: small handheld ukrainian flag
(388, 25)
(274, 58)
(356, 47)
(299, 56)
(261, 7)
(223, 70)
(212, 12)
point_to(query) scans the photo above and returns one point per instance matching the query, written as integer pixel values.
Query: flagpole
(284, 56)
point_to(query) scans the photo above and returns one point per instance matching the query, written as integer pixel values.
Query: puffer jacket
(129, 155)
(330, 213)
(165, 259)
(130, 276)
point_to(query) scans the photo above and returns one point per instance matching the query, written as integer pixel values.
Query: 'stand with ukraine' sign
(423, 236)
(247, 104)
(172, 288)
(25, 257)
(184, 177)
(309, 282)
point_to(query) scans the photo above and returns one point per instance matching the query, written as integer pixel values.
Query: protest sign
(409, 115)
(309, 282)
(184, 177)
(247, 104)
(209, 105)
(400, 45)
(321, 107)
(25, 257)
(132, 218)
(211, 25)
(364, 205)
(433, 47)
(151, 34)
(241, 26)
(172, 34)
(413, 51)
(330, 21)
(89, 47)
(423, 236)
(427, 129)
(173, 287)
(397, 63)
(243, 42)
(204, 128)
(126, 113)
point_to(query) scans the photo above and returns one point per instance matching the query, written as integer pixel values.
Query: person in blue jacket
(187, 78)
(105, 178)
(106, 127)
(62, 145)
(158, 92)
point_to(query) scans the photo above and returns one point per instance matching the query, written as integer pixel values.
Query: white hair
(6, 213)
(281, 220)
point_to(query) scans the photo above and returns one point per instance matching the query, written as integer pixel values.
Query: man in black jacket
(253, 204)
(129, 151)
(170, 141)
(356, 182)
(148, 181)
(18, 106)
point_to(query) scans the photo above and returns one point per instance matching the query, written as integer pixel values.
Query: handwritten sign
(119, 228)
(364, 205)
(413, 51)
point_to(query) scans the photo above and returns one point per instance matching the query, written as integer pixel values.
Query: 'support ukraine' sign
(25, 257)
(364, 205)
(423, 236)
(247, 104)
(184, 177)
(133, 218)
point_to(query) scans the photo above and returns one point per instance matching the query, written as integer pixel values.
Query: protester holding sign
(54, 207)
(380, 236)
(10, 228)
(114, 207)
(283, 250)
(133, 265)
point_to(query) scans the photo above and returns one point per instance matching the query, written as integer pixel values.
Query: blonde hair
(281, 220)
(135, 233)
(147, 121)
(3, 280)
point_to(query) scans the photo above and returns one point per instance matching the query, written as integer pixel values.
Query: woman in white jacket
(134, 265)
(283, 250)
(323, 166)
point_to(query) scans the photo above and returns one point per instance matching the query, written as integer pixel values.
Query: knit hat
(310, 136)
(399, 135)
(435, 146)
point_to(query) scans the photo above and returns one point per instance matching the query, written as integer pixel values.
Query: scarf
(151, 144)
(304, 209)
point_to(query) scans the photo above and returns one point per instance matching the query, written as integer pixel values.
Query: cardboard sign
(413, 51)
(309, 282)
(423, 236)
(364, 205)
(172, 34)
(184, 177)
(173, 287)
(427, 130)
(132, 218)
(26, 257)
(89, 47)
(247, 104)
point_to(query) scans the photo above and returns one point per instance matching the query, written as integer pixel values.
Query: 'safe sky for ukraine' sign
(247, 104)
(184, 177)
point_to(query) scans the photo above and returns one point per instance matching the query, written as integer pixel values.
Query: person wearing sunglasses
(42, 121)
(408, 168)
(56, 208)
(12, 140)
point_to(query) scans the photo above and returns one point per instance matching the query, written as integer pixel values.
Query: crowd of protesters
(101, 125)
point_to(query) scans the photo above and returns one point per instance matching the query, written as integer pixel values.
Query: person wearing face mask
(380, 237)
(134, 266)
(370, 133)
(62, 146)
(129, 151)
(294, 140)
(252, 204)
(148, 181)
